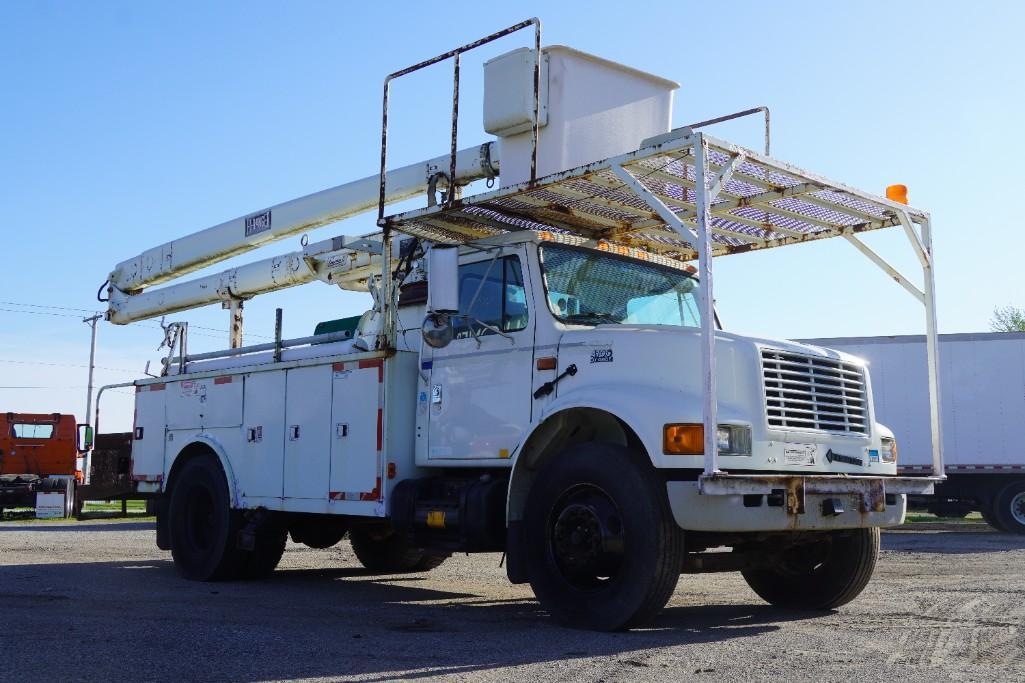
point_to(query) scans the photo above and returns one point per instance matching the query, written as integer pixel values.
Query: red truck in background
(41, 453)
(47, 453)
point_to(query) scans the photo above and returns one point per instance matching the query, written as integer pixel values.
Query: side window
(491, 295)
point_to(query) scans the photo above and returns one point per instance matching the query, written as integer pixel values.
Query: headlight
(888, 449)
(734, 440)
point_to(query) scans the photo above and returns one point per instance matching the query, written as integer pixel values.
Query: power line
(65, 365)
(56, 308)
(153, 325)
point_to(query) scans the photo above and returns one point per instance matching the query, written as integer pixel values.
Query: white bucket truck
(541, 373)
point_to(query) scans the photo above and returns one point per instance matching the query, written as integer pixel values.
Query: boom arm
(344, 261)
(198, 250)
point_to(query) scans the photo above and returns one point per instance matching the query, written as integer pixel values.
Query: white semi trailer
(540, 373)
(983, 392)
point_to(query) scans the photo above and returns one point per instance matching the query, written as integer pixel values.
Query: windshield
(590, 287)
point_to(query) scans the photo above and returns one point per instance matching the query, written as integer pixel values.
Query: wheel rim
(586, 538)
(200, 521)
(1018, 508)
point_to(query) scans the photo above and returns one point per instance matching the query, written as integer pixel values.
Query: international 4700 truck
(541, 372)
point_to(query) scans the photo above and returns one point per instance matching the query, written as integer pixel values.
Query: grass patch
(92, 510)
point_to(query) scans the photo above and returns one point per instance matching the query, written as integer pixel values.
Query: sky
(124, 125)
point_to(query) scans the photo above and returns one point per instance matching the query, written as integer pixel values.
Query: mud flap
(515, 557)
(163, 532)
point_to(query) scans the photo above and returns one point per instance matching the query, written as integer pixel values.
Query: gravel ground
(99, 601)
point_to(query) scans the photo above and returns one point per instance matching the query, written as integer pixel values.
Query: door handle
(293, 433)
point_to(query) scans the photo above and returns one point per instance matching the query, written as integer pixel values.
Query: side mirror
(85, 437)
(442, 294)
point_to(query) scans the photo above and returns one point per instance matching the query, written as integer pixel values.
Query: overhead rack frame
(689, 196)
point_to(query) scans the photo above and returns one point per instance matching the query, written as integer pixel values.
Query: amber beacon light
(897, 193)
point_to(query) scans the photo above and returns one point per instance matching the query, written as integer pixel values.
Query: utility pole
(91, 321)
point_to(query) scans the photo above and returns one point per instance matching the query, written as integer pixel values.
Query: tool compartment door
(259, 470)
(357, 422)
(148, 435)
(307, 432)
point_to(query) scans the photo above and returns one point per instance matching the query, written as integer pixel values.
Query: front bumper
(781, 502)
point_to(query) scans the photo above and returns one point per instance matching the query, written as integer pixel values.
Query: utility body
(983, 411)
(541, 372)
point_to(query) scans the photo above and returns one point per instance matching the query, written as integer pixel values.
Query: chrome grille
(811, 392)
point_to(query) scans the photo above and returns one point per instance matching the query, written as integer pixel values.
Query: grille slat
(811, 392)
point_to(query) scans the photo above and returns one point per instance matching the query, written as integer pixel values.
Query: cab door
(480, 384)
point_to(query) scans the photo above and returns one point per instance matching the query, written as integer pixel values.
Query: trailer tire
(201, 524)
(390, 552)
(1009, 508)
(819, 576)
(602, 550)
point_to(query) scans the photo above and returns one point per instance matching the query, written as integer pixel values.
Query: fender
(213, 444)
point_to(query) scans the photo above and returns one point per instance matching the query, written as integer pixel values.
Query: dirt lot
(98, 601)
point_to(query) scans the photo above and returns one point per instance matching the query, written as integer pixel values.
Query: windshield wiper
(593, 318)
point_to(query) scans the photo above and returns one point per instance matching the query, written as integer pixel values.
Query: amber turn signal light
(683, 439)
(547, 363)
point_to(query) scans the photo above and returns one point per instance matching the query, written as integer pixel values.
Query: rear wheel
(822, 574)
(989, 515)
(602, 549)
(201, 524)
(1009, 508)
(69, 498)
(268, 547)
(390, 551)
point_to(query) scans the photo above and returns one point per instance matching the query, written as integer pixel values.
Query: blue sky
(128, 124)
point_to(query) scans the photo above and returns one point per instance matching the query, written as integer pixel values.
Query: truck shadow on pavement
(328, 622)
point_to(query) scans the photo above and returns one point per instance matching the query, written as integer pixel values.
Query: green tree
(1007, 319)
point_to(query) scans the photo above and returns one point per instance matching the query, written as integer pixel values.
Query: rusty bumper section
(872, 490)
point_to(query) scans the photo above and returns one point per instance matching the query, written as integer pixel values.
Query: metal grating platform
(762, 203)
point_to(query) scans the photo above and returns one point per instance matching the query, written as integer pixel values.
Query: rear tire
(820, 575)
(602, 550)
(1009, 508)
(989, 516)
(202, 526)
(391, 552)
(69, 498)
(264, 558)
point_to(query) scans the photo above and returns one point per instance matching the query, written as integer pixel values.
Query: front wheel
(820, 574)
(603, 551)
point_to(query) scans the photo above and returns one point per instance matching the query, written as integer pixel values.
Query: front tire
(1009, 508)
(819, 575)
(602, 549)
